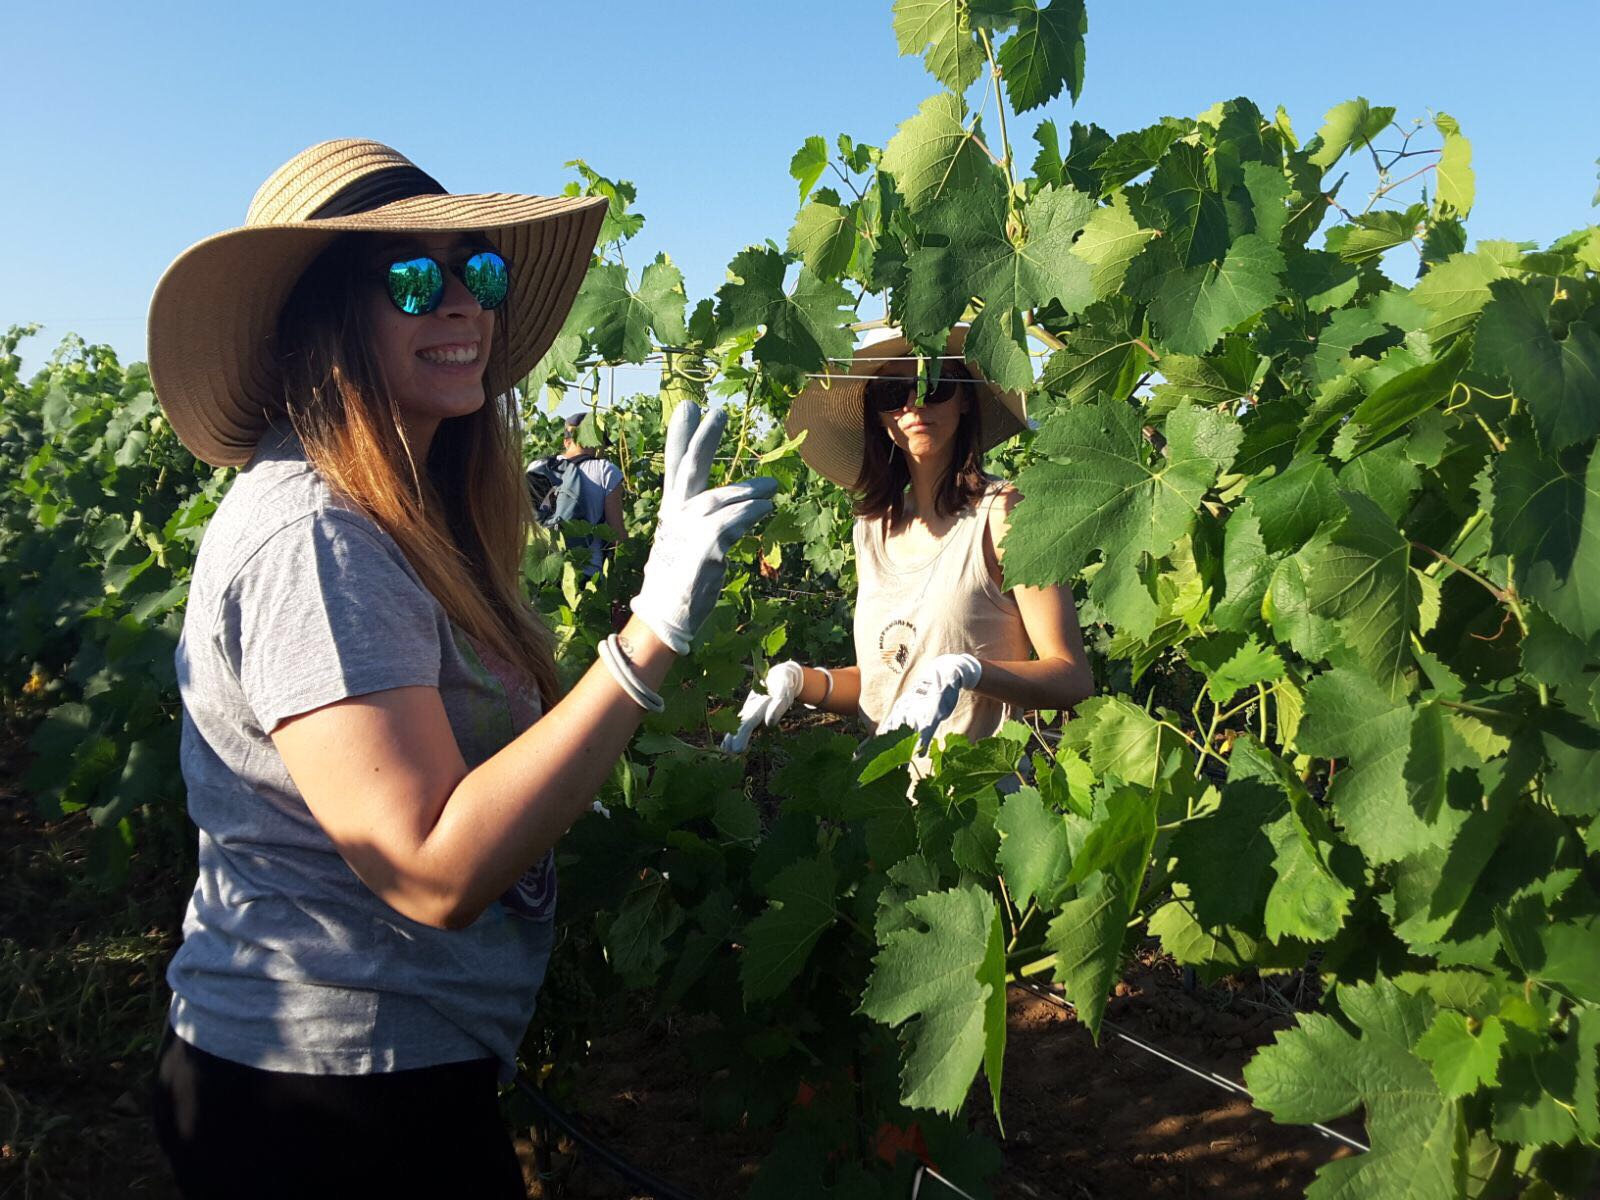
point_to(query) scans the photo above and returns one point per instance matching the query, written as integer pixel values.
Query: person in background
(600, 490)
(377, 751)
(941, 644)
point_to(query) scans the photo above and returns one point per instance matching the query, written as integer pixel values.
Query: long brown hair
(884, 474)
(463, 519)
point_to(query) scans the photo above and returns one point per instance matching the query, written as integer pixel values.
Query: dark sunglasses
(887, 395)
(416, 285)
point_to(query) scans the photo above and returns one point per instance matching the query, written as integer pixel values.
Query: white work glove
(765, 708)
(683, 575)
(933, 696)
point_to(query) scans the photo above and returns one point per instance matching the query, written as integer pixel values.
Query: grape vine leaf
(1247, 569)
(1456, 185)
(1293, 505)
(1214, 951)
(967, 252)
(1088, 933)
(824, 235)
(1351, 124)
(1398, 401)
(1102, 358)
(1546, 512)
(1048, 162)
(1454, 292)
(1033, 853)
(1132, 154)
(1191, 307)
(1098, 492)
(1319, 1070)
(1463, 1054)
(1363, 580)
(1556, 954)
(635, 941)
(1558, 379)
(1079, 167)
(623, 319)
(1224, 856)
(1127, 742)
(1535, 1104)
(1182, 200)
(802, 330)
(1351, 718)
(1218, 379)
(933, 154)
(808, 164)
(947, 986)
(1261, 858)
(1236, 664)
(779, 940)
(942, 29)
(1044, 53)
(1111, 239)
(1370, 236)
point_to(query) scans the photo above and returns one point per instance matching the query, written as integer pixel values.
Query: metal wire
(1210, 1077)
(925, 1171)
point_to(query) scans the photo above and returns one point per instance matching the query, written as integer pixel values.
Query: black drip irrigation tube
(550, 1112)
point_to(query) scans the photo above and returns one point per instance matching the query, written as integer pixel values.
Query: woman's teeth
(454, 355)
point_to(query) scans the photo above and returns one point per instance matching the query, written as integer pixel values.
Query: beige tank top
(908, 615)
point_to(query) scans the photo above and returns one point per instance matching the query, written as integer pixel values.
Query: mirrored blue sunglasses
(416, 285)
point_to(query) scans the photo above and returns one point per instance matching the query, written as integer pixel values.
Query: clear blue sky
(136, 129)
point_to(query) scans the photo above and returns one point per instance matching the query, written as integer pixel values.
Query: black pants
(235, 1131)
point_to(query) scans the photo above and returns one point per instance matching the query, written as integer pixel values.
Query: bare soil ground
(1083, 1123)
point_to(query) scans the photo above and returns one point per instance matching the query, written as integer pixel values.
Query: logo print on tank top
(895, 644)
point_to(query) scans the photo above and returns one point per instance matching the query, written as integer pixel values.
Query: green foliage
(1335, 539)
(101, 514)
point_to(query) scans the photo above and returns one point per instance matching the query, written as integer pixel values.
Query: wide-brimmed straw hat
(829, 409)
(214, 316)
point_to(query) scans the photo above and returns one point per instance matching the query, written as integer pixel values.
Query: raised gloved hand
(683, 575)
(933, 696)
(783, 684)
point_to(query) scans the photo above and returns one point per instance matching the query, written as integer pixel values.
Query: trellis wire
(1210, 1077)
(924, 1171)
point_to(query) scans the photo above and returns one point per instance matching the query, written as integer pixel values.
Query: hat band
(377, 189)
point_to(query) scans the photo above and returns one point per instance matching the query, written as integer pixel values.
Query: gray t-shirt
(289, 962)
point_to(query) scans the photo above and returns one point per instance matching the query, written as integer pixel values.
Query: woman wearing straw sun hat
(376, 751)
(941, 645)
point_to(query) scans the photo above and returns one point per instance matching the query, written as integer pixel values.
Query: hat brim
(829, 409)
(214, 315)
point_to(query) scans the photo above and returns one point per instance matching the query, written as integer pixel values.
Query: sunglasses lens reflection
(488, 278)
(416, 285)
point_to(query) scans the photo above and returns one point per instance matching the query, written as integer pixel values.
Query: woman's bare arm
(845, 699)
(384, 777)
(1060, 676)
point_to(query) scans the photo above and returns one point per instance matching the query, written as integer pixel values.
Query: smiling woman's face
(433, 363)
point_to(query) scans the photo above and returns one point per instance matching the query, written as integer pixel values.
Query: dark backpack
(556, 486)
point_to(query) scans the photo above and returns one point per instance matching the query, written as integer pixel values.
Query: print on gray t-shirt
(289, 962)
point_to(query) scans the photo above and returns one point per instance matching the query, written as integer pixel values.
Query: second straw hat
(829, 409)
